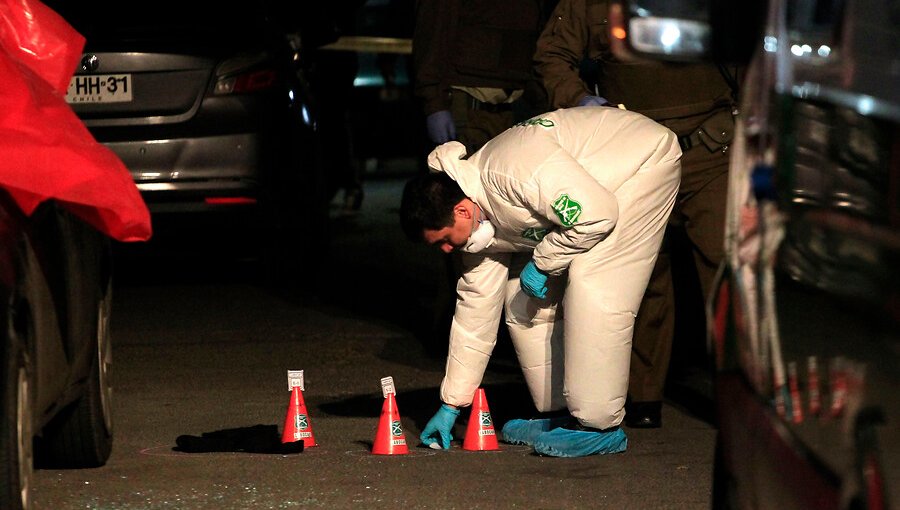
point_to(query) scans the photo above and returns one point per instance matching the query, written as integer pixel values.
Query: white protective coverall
(587, 192)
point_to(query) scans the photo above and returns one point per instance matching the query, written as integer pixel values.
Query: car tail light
(257, 80)
(230, 200)
(249, 72)
(250, 81)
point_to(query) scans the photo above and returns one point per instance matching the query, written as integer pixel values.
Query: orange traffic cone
(297, 426)
(389, 439)
(480, 434)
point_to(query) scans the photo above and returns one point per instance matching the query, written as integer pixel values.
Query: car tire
(16, 420)
(81, 435)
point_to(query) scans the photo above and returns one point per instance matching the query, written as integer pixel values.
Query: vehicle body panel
(807, 325)
(804, 319)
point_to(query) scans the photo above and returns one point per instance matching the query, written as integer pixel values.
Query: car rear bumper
(195, 174)
(167, 163)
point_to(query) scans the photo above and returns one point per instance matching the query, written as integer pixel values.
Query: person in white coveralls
(559, 220)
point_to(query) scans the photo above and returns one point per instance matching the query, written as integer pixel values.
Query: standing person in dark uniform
(474, 75)
(472, 62)
(332, 74)
(697, 102)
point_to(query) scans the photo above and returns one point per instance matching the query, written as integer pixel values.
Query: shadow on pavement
(506, 401)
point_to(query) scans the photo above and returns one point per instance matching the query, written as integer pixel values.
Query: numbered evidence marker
(389, 439)
(297, 426)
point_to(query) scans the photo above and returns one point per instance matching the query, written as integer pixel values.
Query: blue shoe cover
(578, 443)
(526, 431)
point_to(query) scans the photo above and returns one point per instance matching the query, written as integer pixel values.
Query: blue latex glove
(533, 281)
(440, 425)
(440, 126)
(593, 101)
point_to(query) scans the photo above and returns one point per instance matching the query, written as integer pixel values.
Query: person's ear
(461, 210)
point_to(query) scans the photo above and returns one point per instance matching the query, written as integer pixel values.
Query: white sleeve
(473, 333)
(586, 212)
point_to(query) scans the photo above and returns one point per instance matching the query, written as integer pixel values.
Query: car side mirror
(686, 30)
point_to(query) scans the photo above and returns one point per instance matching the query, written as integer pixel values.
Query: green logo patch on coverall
(567, 209)
(535, 234)
(537, 121)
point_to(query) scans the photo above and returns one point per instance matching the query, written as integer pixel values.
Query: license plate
(99, 88)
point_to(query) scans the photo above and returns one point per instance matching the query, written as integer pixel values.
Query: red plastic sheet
(46, 152)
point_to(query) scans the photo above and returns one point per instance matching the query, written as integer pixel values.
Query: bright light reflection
(670, 36)
(368, 81)
(865, 105)
(824, 51)
(305, 113)
(797, 50)
(770, 44)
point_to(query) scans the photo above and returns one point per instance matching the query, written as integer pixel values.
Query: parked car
(63, 198)
(805, 319)
(209, 109)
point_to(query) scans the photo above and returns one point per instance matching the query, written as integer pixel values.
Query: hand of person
(593, 101)
(441, 128)
(533, 281)
(440, 425)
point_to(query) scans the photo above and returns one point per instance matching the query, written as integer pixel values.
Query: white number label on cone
(387, 386)
(295, 380)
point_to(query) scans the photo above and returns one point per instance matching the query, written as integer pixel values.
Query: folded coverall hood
(450, 159)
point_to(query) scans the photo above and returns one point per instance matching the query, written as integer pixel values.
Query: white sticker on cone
(295, 380)
(387, 386)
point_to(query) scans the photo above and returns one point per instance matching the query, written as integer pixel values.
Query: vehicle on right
(804, 321)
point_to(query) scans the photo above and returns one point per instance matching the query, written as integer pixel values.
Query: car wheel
(16, 425)
(81, 436)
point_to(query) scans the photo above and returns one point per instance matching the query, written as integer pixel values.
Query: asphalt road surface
(202, 345)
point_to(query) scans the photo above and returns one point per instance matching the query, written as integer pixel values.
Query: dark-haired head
(427, 203)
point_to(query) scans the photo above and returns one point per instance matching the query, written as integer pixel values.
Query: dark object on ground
(255, 439)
